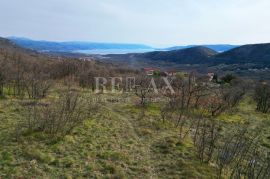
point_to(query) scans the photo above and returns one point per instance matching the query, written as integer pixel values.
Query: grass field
(116, 142)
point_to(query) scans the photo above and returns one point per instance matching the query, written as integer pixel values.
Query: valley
(57, 123)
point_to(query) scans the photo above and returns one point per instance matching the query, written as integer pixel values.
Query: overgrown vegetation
(59, 117)
(262, 97)
(54, 126)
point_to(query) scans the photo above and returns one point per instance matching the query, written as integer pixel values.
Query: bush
(262, 97)
(228, 78)
(59, 117)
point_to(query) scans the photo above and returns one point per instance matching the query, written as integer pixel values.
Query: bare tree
(59, 117)
(2, 82)
(37, 83)
(262, 97)
(205, 138)
(18, 86)
(142, 88)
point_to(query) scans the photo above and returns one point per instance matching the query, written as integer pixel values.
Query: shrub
(262, 97)
(58, 118)
(228, 78)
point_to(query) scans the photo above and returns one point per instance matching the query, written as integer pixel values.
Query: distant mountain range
(254, 53)
(71, 46)
(218, 47)
(93, 47)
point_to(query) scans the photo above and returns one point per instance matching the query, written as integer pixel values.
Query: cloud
(156, 22)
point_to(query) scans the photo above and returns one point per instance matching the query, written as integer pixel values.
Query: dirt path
(142, 143)
(154, 162)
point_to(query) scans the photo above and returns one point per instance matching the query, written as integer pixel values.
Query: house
(264, 83)
(170, 73)
(151, 71)
(210, 76)
(86, 59)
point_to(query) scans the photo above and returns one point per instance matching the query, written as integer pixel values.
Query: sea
(113, 51)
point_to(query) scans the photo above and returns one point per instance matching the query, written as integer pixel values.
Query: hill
(193, 55)
(9, 45)
(218, 47)
(5, 43)
(54, 126)
(255, 53)
(9, 49)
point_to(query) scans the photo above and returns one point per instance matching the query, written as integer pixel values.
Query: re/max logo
(129, 84)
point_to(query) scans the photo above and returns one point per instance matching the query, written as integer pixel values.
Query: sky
(154, 22)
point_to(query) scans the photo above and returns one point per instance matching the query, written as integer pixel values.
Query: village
(155, 72)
